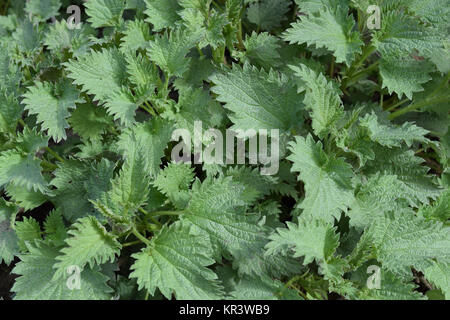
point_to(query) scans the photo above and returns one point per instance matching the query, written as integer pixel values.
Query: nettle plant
(93, 207)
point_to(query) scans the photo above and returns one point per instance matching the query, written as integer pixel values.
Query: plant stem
(50, 166)
(54, 154)
(395, 105)
(132, 243)
(239, 36)
(427, 101)
(140, 236)
(151, 217)
(167, 213)
(367, 52)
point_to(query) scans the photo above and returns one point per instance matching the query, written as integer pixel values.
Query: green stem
(239, 36)
(140, 236)
(148, 108)
(200, 52)
(54, 154)
(132, 243)
(360, 74)
(416, 106)
(428, 101)
(367, 52)
(395, 105)
(48, 165)
(167, 213)
(151, 217)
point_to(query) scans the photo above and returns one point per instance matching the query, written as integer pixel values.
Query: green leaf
(153, 137)
(258, 100)
(9, 247)
(327, 179)
(404, 75)
(26, 199)
(89, 121)
(264, 288)
(322, 98)
(417, 185)
(105, 13)
(43, 9)
(131, 187)
(27, 231)
(10, 111)
(100, 73)
(312, 239)
(35, 281)
(162, 13)
(392, 288)
(51, 103)
(169, 52)
(23, 171)
(403, 241)
(89, 243)
(329, 28)
(174, 181)
(123, 105)
(440, 210)
(393, 136)
(262, 50)
(175, 262)
(268, 14)
(54, 228)
(439, 275)
(136, 36)
(60, 37)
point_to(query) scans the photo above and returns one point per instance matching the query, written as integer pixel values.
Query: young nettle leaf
(330, 27)
(311, 239)
(27, 231)
(412, 242)
(43, 9)
(52, 104)
(100, 73)
(169, 52)
(89, 243)
(90, 121)
(263, 289)
(9, 243)
(163, 13)
(258, 100)
(36, 281)
(152, 138)
(22, 170)
(268, 14)
(174, 181)
(105, 13)
(10, 111)
(322, 98)
(131, 187)
(175, 261)
(60, 36)
(137, 35)
(328, 180)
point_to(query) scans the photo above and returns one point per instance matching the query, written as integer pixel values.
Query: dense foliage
(87, 181)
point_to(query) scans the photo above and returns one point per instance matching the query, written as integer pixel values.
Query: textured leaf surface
(327, 179)
(35, 281)
(175, 261)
